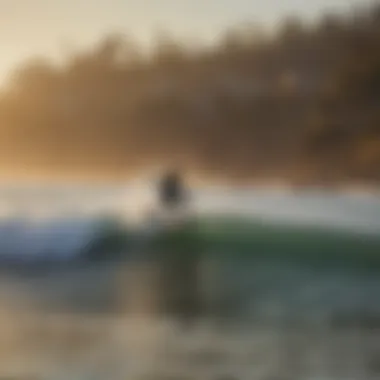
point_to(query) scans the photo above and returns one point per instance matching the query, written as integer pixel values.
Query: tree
(166, 50)
(34, 76)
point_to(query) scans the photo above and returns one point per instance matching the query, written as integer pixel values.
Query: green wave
(302, 244)
(233, 237)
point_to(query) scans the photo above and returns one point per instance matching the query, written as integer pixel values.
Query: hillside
(301, 105)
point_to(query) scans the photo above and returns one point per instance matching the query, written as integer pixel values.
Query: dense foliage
(301, 105)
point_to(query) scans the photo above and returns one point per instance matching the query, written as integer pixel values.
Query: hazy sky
(43, 27)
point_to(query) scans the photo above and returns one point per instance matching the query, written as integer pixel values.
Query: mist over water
(260, 283)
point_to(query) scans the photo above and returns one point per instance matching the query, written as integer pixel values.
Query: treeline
(302, 104)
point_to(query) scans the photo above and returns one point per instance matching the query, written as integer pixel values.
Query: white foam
(59, 221)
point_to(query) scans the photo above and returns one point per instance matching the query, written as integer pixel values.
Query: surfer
(179, 257)
(172, 192)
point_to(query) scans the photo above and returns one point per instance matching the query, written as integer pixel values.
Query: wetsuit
(171, 190)
(178, 256)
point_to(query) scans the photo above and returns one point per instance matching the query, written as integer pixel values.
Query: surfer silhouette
(179, 256)
(172, 193)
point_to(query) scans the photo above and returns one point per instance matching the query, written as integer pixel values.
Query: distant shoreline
(277, 184)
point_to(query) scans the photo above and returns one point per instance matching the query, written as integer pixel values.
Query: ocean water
(288, 281)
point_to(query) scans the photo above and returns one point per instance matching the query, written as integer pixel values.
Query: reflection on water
(275, 312)
(259, 320)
